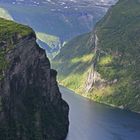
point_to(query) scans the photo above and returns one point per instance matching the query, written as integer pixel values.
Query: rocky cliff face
(31, 107)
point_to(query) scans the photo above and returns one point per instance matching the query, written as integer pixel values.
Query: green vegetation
(106, 60)
(73, 62)
(50, 43)
(48, 39)
(119, 35)
(8, 29)
(117, 59)
(10, 32)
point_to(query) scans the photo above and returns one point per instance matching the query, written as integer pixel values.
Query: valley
(70, 69)
(57, 19)
(103, 65)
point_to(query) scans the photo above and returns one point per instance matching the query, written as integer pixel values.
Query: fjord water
(93, 121)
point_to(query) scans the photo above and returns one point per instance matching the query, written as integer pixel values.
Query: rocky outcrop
(94, 78)
(31, 107)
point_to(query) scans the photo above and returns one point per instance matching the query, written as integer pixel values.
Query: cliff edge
(31, 107)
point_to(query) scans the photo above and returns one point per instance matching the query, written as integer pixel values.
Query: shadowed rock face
(31, 107)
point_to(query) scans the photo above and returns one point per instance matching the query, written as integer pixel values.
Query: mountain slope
(73, 61)
(31, 106)
(62, 19)
(114, 76)
(50, 43)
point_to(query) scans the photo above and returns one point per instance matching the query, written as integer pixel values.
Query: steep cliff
(114, 75)
(31, 107)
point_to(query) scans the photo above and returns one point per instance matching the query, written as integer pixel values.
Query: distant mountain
(63, 19)
(104, 65)
(61, 2)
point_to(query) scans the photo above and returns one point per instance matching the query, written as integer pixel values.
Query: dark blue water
(93, 121)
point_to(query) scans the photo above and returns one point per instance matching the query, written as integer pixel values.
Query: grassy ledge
(10, 34)
(8, 29)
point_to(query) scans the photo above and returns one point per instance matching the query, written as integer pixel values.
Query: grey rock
(31, 106)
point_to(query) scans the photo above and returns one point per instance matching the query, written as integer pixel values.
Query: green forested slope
(119, 34)
(73, 62)
(116, 58)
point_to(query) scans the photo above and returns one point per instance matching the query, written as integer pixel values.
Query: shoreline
(111, 105)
